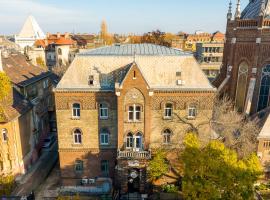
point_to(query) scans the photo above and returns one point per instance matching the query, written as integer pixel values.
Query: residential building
(114, 107)
(179, 41)
(27, 114)
(29, 33)
(56, 49)
(210, 55)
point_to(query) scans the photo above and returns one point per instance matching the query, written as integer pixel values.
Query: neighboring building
(30, 32)
(210, 55)
(7, 44)
(56, 49)
(179, 41)
(245, 71)
(27, 113)
(113, 107)
(201, 37)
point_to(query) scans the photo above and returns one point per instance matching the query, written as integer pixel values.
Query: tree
(155, 37)
(7, 184)
(215, 172)
(40, 62)
(5, 85)
(232, 128)
(158, 166)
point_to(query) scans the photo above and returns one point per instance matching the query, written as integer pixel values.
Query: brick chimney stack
(66, 35)
(58, 35)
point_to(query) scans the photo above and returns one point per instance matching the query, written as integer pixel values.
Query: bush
(169, 188)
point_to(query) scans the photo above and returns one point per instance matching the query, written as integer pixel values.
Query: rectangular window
(78, 166)
(138, 113)
(104, 138)
(192, 112)
(103, 109)
(130, 113)
(105, 167)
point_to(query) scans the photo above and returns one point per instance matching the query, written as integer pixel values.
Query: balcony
(129, 154)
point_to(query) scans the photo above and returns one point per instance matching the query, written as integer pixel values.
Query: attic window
(91, 80)
(134, 74)
(178, 74)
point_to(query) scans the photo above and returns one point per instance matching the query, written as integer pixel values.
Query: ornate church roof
(31, 29)
(256, 8)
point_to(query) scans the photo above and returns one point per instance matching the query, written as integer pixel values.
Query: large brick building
(245, 74)
(245, 71)
(115, 104)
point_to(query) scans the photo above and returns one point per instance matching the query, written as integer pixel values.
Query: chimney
(1, 65)
(48, 35)
(58, 35)
(66, 35)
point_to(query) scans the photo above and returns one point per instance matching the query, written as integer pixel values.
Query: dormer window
(178, 74)
(91, 80)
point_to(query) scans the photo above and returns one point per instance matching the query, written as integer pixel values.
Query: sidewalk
(38, 173)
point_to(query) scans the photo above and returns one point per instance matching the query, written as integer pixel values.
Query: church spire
(238, 10)
(229, 14)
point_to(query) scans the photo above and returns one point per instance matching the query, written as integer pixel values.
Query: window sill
(75, 118)
(167, 118)
(103, 118)
(191, 118)
(76, 145)
(135, 122)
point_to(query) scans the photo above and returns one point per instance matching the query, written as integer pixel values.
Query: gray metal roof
(138, 49)
(254, 8)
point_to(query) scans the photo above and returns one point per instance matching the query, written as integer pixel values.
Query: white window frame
(77, 136)
(192, 112)
(130, 139)
(77, 111)
(104, 133)
(134, 113)
(167, 133)
(78, 166)
(103, 107)
(167, 110)
(46, 83)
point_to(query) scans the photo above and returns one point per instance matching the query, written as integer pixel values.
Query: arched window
(77, 135)
(241, 87)
(103, 111)
(59, 51)
(104, 136)
(167, 136)
(129, 140)
(168, 110)
(138, 141)
(76, 110)
(264, 88)
(5, 135)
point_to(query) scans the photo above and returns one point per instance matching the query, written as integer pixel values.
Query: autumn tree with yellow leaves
(215, 172)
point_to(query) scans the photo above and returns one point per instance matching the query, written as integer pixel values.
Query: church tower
(245, 72)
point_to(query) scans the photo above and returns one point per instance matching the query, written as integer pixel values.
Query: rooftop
(158, 64)
(255, 8)
(138, 49)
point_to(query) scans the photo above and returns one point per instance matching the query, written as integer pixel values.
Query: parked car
(48, 141)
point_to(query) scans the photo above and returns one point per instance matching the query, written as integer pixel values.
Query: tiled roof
(253, 9)
(14, 106)
(131, 49)
(20, 71)
(158, 64)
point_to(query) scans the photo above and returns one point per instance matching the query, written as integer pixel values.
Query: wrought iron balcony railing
(129, 154)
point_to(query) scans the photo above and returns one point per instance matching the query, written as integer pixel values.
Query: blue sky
(122, 16)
